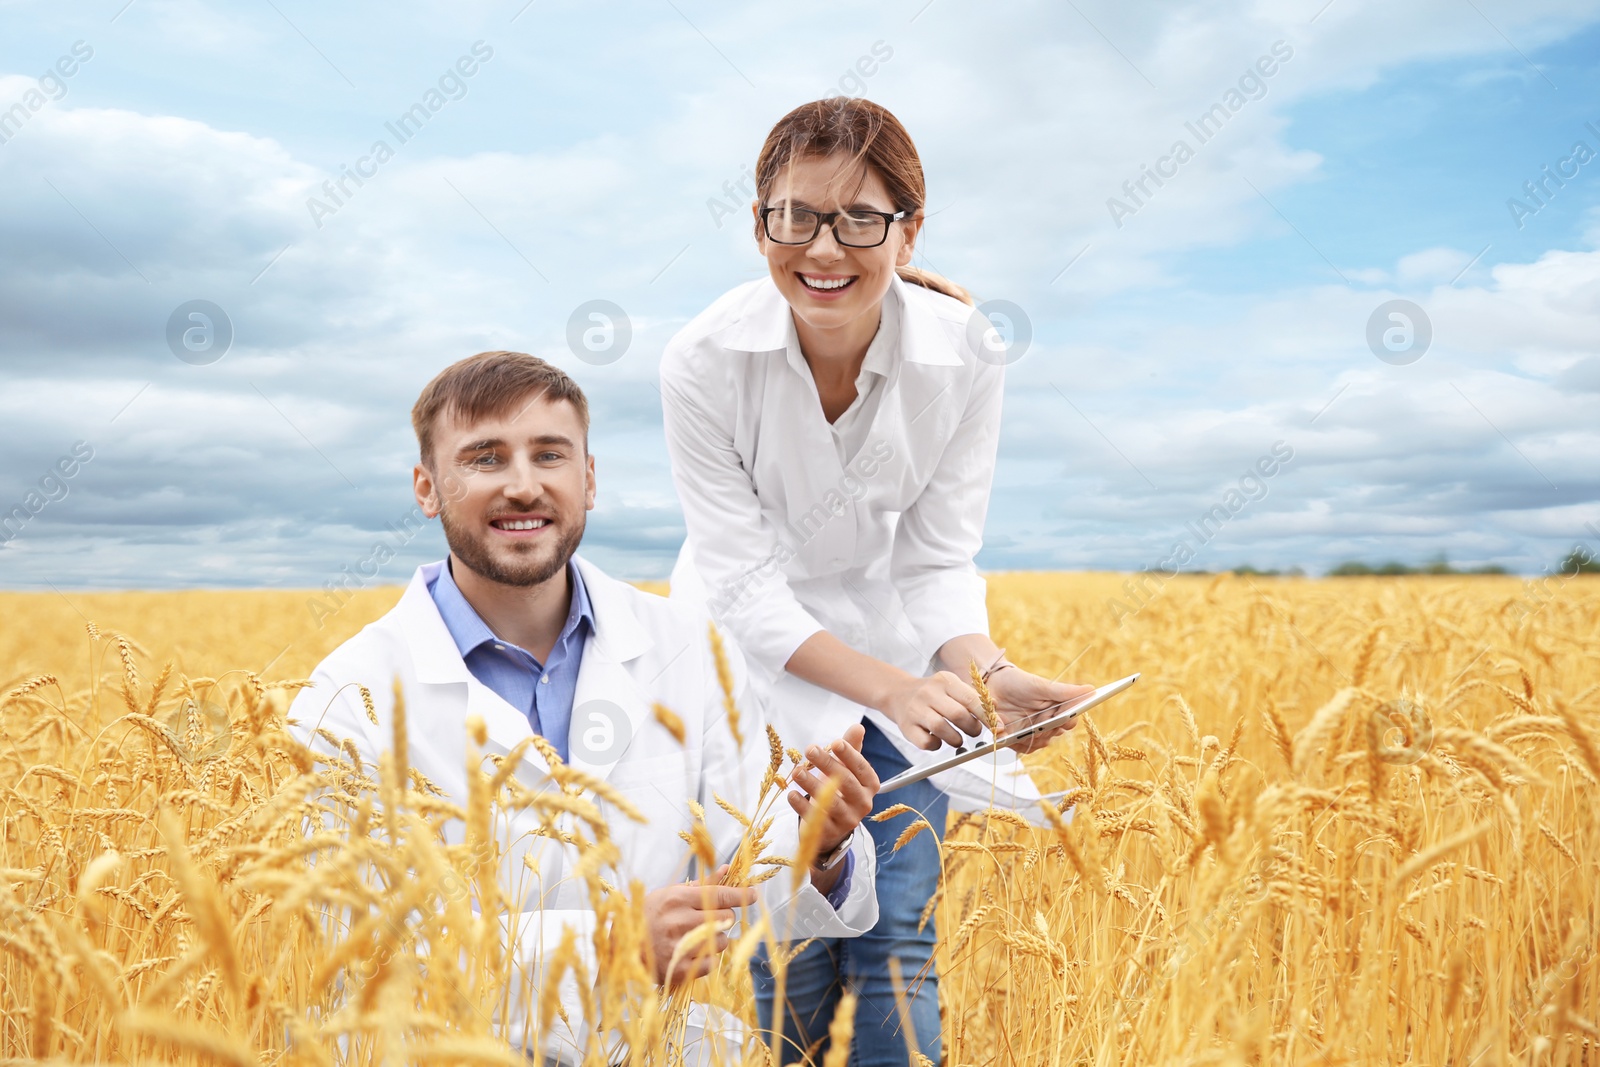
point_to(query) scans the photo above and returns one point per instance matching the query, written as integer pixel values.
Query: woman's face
(809, 276)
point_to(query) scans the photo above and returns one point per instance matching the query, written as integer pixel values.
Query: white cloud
(1418, 458)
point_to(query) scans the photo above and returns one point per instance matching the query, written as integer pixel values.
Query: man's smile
(520, 525)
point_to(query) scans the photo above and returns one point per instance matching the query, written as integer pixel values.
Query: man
(516, 630)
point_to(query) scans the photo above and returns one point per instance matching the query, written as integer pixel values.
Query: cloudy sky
(1178, 332)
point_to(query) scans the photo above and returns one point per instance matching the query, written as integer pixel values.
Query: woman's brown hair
(866, 132)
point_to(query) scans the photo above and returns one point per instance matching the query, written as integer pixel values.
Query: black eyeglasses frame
(828, 219)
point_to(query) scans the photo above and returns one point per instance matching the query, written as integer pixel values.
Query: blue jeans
(906, 882)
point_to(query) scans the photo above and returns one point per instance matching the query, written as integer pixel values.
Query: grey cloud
(1583, 376)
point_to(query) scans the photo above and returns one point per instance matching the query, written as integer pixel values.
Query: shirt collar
(765, 324)
(880, 353)
(469, 630)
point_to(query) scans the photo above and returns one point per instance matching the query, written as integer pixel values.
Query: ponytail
(937, 282)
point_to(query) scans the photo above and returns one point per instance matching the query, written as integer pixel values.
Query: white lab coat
(784, 540)
(644, 650)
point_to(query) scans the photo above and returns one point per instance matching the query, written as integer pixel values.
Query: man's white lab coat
(644, 650)
(787, 538)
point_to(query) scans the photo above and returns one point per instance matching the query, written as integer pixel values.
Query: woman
(833, 431)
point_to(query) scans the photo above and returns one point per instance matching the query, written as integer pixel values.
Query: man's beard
(474, 554)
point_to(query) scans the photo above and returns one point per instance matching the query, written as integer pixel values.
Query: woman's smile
(826, 286)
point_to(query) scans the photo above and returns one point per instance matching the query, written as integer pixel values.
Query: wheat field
(1337, 822)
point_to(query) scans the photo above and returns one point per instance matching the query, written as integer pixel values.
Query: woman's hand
(928, 711)
(934, 711)
(1020, 698)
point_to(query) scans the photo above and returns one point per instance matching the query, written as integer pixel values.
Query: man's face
(511, 491)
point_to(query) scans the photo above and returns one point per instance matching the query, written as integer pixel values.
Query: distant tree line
(1578, 561)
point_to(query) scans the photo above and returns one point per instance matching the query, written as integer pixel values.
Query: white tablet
(962, 755)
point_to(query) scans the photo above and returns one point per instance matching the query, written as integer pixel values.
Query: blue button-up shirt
(543, 692)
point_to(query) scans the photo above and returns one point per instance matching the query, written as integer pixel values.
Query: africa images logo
(451, 86)
(1252, 85)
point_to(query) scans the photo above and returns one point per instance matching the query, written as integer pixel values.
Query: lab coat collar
(604, 682)
(608, 703)
(766, 324)
(434, 655)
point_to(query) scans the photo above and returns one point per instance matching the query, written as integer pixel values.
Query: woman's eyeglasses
(854, 229)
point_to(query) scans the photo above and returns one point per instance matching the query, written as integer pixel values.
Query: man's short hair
(490, 384)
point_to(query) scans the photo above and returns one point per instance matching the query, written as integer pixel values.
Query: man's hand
(934, 711)
(1020, 698)
(673, 912)
(843, 762)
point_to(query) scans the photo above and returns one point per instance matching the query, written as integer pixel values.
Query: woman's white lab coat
(786, 538)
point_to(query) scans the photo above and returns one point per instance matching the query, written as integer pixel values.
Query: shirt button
(544, 680)
(499, 648)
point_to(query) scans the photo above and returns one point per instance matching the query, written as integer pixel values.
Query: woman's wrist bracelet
(1000, 663)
